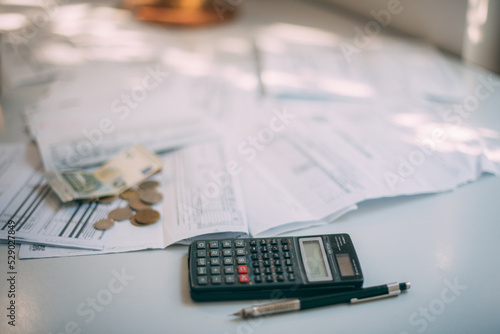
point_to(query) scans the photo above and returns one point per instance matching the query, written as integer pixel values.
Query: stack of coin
(139, 201)
(145, 217)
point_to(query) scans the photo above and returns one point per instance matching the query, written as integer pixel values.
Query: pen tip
(239, 313)
(404, 286)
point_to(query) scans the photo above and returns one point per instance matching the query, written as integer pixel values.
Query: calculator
(272, 268)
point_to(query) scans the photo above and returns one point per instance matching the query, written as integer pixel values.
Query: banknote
(125, 170)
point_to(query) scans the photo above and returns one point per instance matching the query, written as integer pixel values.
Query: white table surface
(435, 241)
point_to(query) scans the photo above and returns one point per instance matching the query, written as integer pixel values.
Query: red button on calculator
(243, 278)
(242, 269)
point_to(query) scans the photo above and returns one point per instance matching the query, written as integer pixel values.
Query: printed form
(39, 216)
(287, 189)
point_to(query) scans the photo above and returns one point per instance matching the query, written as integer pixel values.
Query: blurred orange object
(183, 12)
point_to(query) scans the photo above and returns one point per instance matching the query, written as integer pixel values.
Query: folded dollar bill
(122, 172)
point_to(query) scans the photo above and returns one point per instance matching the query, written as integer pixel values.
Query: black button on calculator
(259, 268)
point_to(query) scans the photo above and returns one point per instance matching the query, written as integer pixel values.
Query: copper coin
(149, 185)
(108, 199)
(136, 204)
(129, 194)
(150, 197)
(134, 222)
(120, 214)
(147, 216)
(104, 224)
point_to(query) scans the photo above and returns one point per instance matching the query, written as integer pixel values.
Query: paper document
(203, 197)
(306, 63)
(40, 217)
(394, 148)
(287, 189)
(16, 160)
(88, 123)
(302, 62)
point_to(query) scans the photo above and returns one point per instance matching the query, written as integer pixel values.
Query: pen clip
(393, 289)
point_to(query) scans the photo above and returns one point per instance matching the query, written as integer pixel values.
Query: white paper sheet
(306, 63)
(15, 160)
(76, 127)
(40, 217)
(294, 190)
(394, 148)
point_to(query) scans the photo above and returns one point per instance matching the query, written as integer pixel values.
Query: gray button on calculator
(240, 251)
(214, 244)
(202, 270)
(227, 252)
(239, 243)
(228, 261)
(202, 262)
(214, 261)
(216, 279)
(229, 270)
(229, 279)
(202, 280)
(201, 253)
(226, 244)
(214, 252)
(215, 270)
(200, 245)
(241, 260)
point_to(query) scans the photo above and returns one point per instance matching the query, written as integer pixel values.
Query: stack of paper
(329, 131)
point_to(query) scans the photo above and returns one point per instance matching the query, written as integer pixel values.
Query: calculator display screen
(315, 261)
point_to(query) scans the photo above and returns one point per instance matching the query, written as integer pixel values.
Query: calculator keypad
(244, 261)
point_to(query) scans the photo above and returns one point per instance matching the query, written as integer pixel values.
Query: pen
(355, 296)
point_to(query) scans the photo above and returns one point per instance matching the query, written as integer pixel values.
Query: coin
(147, 216)
(136, 204)
(150, 197)
(104, 224)
(108, 199)
(149, 185)
(134, 222)
(120, 214)
(129, 194)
